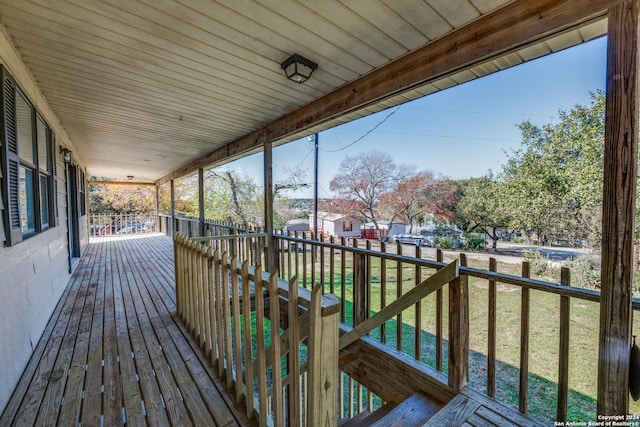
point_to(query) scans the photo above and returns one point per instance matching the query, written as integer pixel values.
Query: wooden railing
(355, 273)
(121, 224)
(246, 319)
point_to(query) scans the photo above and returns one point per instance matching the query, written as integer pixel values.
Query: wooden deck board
(113, 351)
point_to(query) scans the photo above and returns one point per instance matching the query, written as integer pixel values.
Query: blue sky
(459, 132)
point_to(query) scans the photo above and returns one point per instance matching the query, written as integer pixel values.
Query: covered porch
(180, 87)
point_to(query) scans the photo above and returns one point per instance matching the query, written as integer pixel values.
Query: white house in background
(336, 225)
(369, 229)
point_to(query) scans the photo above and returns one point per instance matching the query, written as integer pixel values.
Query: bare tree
(363, 180)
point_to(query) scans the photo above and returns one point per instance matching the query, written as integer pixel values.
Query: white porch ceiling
(143, 87)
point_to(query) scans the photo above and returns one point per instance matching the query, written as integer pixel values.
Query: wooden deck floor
(114, 352)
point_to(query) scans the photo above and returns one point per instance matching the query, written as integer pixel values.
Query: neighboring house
(369, 229)
(297, 225)
(336, 225)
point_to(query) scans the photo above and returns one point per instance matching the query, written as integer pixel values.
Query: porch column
(201, 199)
(619, 194)
(157, 219)
(270, 255)
(173, 208)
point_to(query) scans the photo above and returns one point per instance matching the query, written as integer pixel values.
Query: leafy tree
(419, 197)
(481, 207)
(121, 198)
(553, 183)
(231, 195)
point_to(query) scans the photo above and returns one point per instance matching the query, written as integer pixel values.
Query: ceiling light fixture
(298, 68)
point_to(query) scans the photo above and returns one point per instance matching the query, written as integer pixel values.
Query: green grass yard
(543, 338)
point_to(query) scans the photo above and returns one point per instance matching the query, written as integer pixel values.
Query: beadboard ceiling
(143, 87)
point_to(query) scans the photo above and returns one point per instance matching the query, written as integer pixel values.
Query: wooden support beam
(619, 198)
(270, 257)
(514, 26)
(173, 207)
(103, 182)
(201, 199)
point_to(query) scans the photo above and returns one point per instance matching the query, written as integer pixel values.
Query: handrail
(426, 287)
(218, 298)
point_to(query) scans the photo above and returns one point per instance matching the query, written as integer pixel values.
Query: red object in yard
(370, 233)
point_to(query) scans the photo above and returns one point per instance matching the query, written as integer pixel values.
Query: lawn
(543, 340)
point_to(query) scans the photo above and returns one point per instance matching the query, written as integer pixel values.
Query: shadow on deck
(114, 352)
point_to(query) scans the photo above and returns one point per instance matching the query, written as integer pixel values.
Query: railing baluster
(237, 338)
(294, 354)
(260, 347)
(343, 281)
(226, 301)
(524, 342)
(418, 311)
(563, 363)
(276, 370)
(491, 334)
(219, 282)
(439, 258)
(383, 290)
(398, 295)
(332, 265)
(212, 307)
(304, 261)
(248, 356)
(321, 264)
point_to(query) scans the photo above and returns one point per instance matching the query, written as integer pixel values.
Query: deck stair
(415, 410)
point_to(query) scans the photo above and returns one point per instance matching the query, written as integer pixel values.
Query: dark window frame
(43, 175)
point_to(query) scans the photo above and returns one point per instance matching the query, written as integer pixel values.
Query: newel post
(618, 205)
(459, 330)
(323, 386)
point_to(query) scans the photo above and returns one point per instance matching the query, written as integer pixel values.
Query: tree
(553, 183)
(233, 196)
(363, 181)
(481, 207)
(419, 197)
(121, 199)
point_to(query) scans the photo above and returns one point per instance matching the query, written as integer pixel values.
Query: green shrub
(585, 272)
(474, 242)
(538, 264)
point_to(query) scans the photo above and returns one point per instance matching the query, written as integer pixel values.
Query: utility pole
(315, 188)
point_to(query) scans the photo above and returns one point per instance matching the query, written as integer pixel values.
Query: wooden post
(360, 280)
(271, 258)
(173, 208)
(618, 207)
(459, 330)
(201, 200)
(156, 220)
(323, 363)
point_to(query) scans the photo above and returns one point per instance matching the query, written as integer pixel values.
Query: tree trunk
(234, 198)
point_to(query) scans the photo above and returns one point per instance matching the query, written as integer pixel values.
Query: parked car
(409, 239)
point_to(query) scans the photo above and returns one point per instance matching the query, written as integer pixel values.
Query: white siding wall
(33, 273)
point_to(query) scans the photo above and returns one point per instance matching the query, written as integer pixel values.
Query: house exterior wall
(35, 271)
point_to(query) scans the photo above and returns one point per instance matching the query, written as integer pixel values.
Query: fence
(117, 225)
(236, 312)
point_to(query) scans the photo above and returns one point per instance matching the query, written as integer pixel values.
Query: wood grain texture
(416, 294)
(414, 411)
(525, 315)
(515, 26)
(459, 330)
(124, 350)
(619, 199)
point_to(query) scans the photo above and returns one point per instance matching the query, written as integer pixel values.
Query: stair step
(415, 410)
(380, 413)
(355, 421)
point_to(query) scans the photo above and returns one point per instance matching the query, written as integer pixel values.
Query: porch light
(298, 68)
(66, 154)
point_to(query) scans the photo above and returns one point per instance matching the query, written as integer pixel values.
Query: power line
(366, 133)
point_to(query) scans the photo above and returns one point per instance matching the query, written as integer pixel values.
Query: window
(28, 167)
